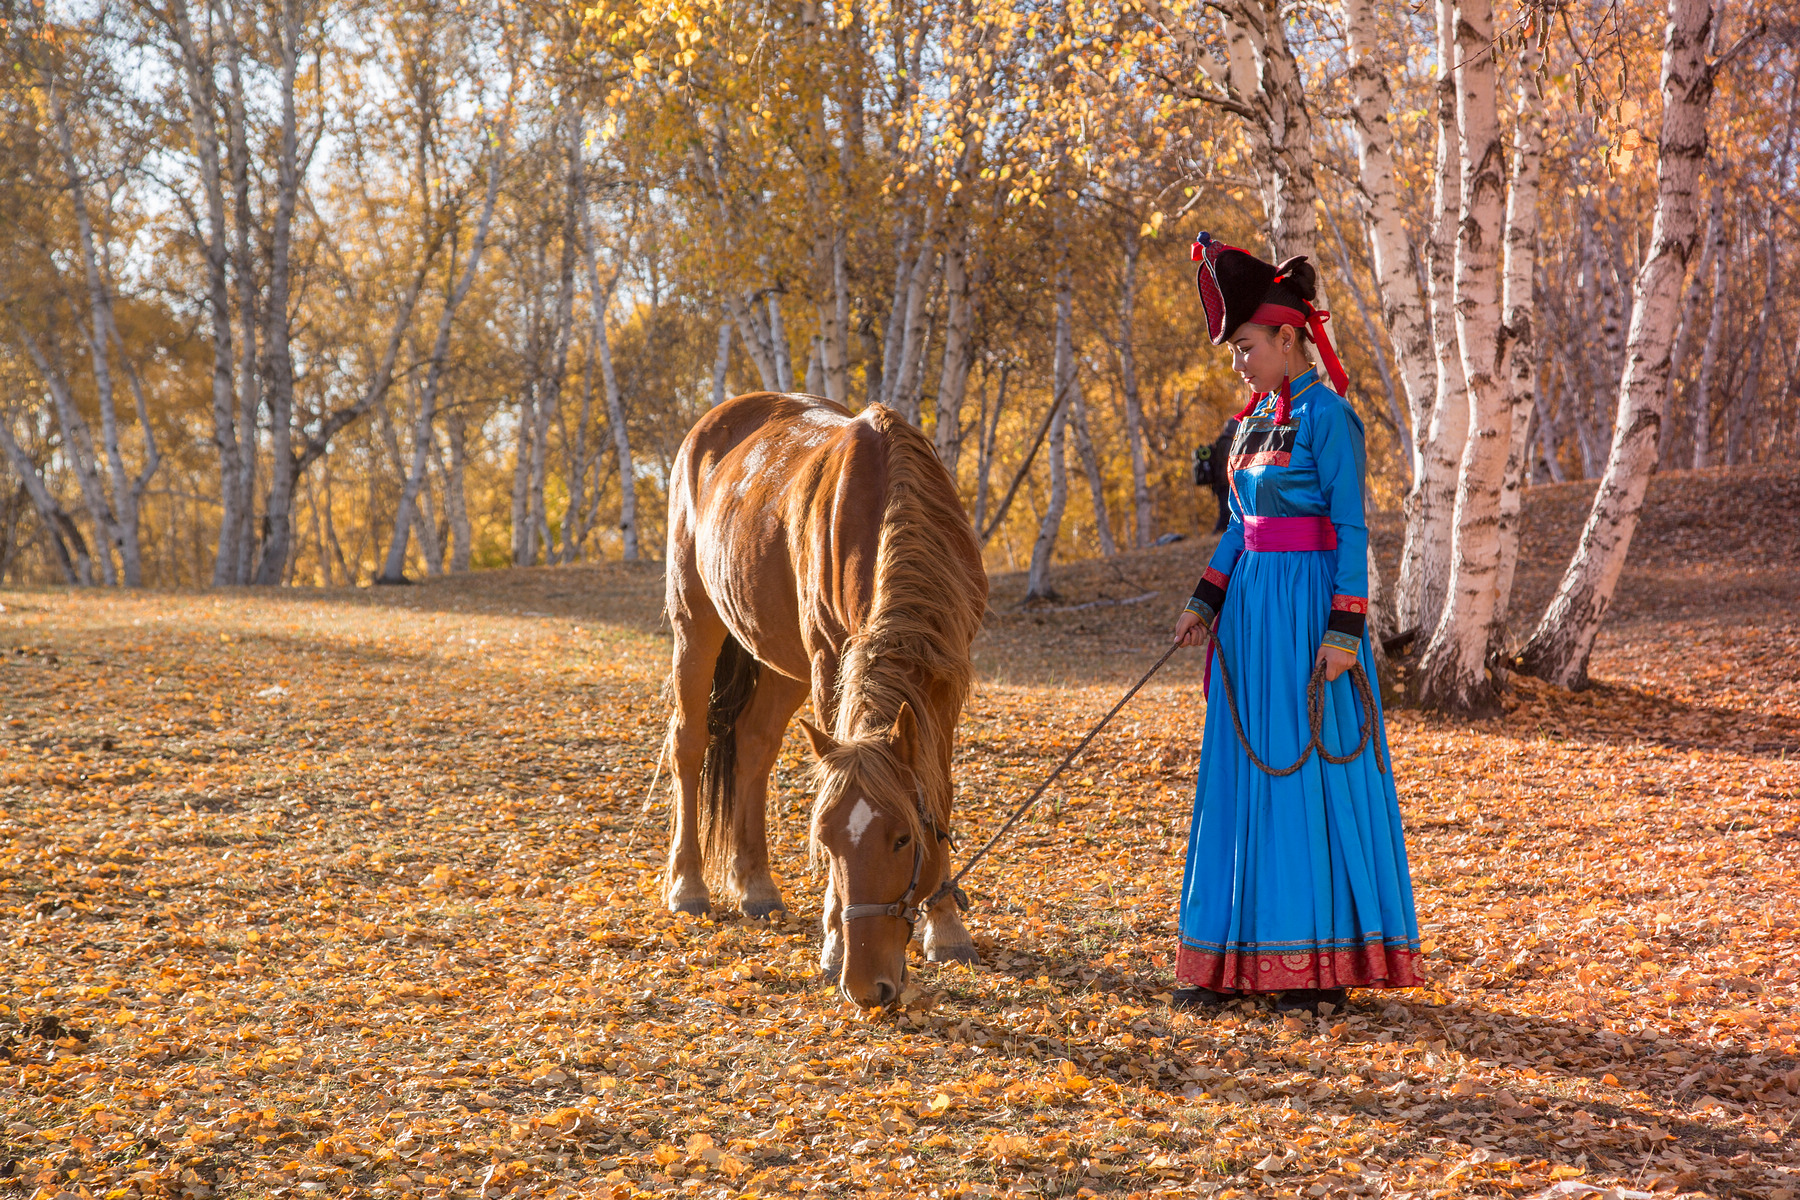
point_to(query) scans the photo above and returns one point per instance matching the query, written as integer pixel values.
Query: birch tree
(1430, 504)
(1563, 642)
(424, 431)
(1453, 672)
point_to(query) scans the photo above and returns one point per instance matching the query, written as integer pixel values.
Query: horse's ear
(822, 743)
(905, 734)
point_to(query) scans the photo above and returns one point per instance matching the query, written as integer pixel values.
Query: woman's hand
(1187, 629)
(1336, 661)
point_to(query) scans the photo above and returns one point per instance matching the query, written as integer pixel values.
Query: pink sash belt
(1265, 534)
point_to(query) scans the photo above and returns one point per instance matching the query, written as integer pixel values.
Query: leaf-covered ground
(351, 894)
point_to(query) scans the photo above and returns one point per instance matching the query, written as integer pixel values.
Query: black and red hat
(1237, 288)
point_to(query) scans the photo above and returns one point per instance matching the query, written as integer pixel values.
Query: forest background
(316, 294)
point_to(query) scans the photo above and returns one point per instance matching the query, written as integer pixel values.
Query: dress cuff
(1210, 592)
(1206, 611)
(1343, 641)
(1349, 615)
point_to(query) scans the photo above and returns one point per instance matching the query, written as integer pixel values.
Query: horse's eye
(904, 839)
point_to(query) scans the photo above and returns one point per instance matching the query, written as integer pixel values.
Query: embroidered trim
(1343, 641)
(1355, 604)
(1259, 969)
(1216, 577)
(1197, 605)
(1266, 458)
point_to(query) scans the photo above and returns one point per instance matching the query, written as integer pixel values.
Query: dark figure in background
(1210, 472)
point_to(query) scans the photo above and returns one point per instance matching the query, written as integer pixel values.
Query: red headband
(1314, 321)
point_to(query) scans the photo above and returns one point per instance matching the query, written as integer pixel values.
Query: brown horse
(813, 551)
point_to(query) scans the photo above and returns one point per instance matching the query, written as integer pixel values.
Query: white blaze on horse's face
(860, 818)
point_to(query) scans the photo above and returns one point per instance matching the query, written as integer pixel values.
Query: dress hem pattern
(1370, 965)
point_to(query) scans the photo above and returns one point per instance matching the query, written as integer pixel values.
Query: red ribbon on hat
(1314, 321)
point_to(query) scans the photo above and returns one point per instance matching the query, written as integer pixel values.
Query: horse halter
(904, 908)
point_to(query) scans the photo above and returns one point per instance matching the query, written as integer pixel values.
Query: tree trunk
(959, 355)
(1453, 675)
(394, 569)
(1425, 559)
(100, 334)
(278, 510)
(1037, 585)
(524, 544)
(246, 234)
(778, 343)
(78, 450)
(1518, 364)
(989, 433)
(1396, 420)
(599, 299)
(921, 279)
(196, 71)
(1564, 641)
(456, 498)
(1715, 335)
(753, 328)
(1143, 516)
(1391, 249)
(721, 363)
(1685, 322)
(65, 539)
(1090, 464)
(1743, 407)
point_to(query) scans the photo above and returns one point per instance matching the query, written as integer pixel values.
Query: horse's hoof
(695, 906)
(762, 910)
(965, 953)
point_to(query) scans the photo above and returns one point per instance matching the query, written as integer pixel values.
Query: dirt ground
(355, 894)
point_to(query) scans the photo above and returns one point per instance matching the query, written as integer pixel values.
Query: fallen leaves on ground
(354, 894)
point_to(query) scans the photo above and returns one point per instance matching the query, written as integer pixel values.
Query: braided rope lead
(1315, 711)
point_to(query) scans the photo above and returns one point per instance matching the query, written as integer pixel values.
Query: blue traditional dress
(1298, 882)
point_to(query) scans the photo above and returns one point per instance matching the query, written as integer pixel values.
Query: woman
(1295, 885)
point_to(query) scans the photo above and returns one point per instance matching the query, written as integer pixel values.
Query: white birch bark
(721, 363)
(245, 233)
(921, 279)
(1743, 405)
(1560, 648)
(959, 355)
(65, 539)
(753, 328)
(1453, 674)
(1518, 373)
(271, 568)
(1090, 464)
(1425, 558)
(778, 344)
(1391, 250)
(101, 335)
(1037, 584)
(424, 435)
(600, 299)
(1142, 529)
(456, 497)
(1715, 336)
(984, 466)
(1685, 322)
(195, 70)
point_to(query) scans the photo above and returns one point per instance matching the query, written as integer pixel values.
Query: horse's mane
(913, 649)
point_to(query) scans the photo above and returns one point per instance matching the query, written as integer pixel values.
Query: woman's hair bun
(1298, 276)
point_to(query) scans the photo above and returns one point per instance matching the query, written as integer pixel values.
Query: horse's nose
(877, 993)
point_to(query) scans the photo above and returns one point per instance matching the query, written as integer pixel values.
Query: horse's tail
(734, 682)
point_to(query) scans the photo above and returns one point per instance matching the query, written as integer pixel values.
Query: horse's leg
(760, 730)
(831, 952)
(945, 938)
(699, 637)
